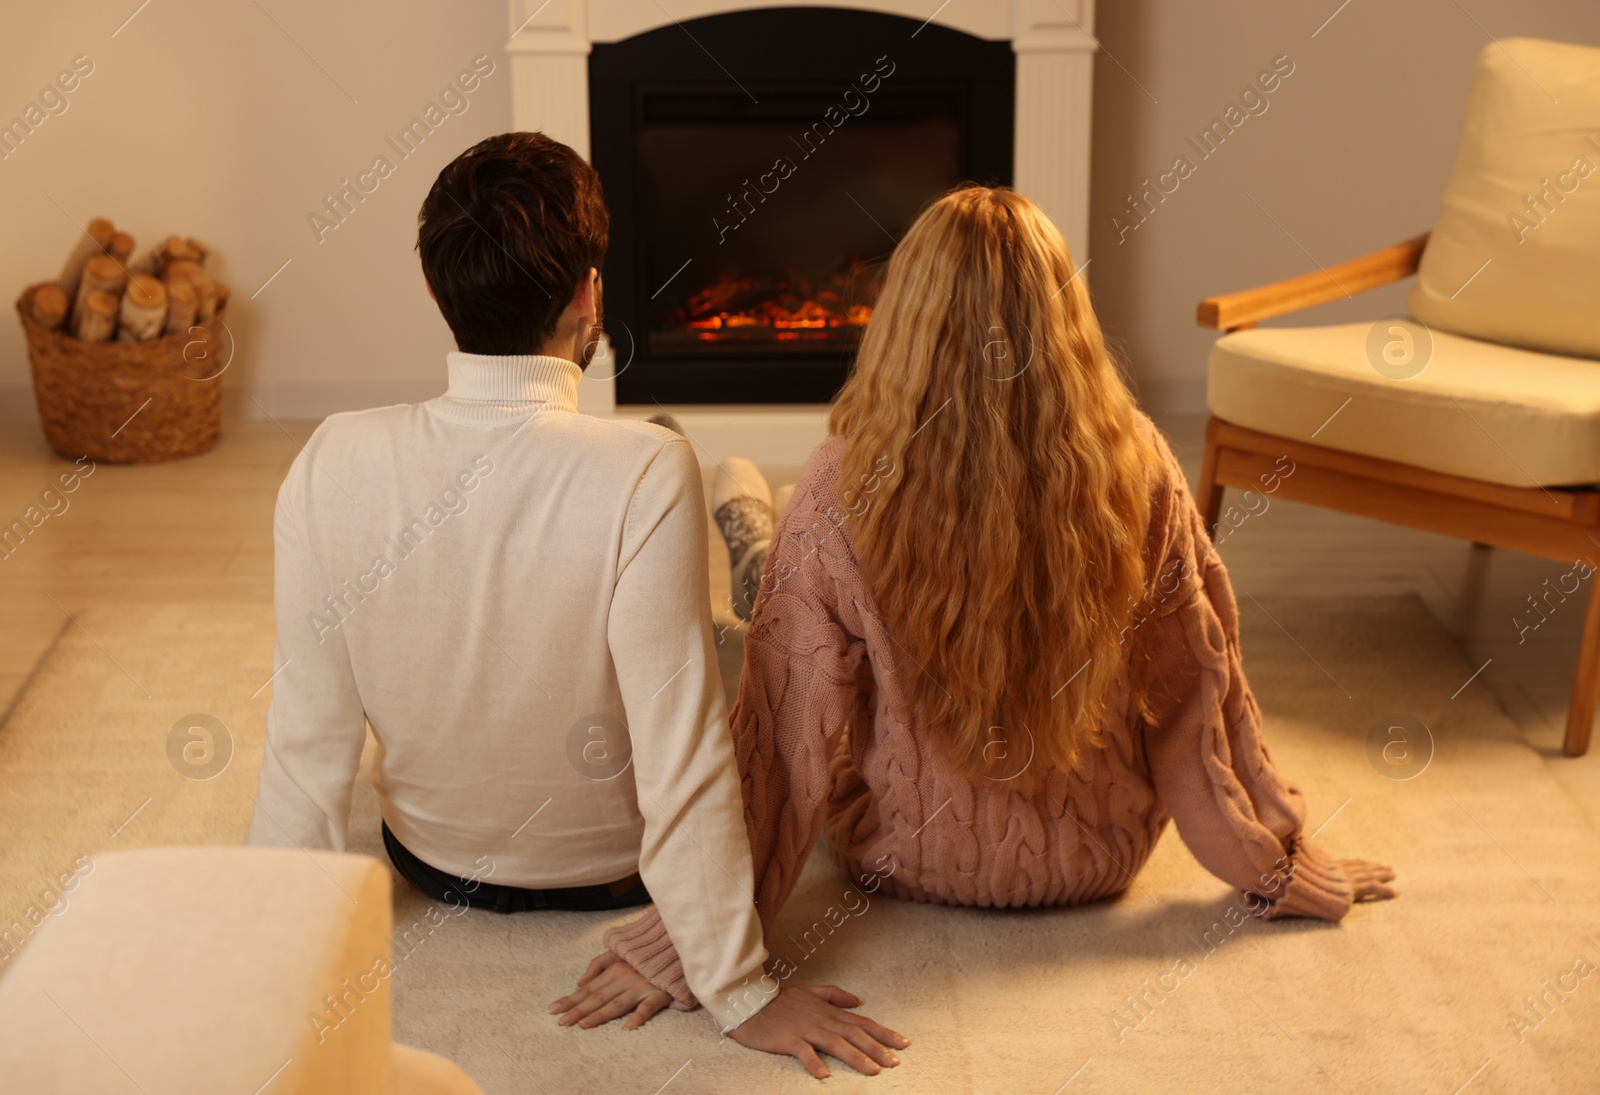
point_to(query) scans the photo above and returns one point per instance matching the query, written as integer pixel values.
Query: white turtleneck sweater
(498, 584)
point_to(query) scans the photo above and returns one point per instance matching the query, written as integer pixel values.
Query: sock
(742, 506)
(747, 581)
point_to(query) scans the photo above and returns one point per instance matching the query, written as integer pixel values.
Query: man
(514, 596)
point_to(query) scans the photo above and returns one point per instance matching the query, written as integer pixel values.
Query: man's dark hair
(507, 232)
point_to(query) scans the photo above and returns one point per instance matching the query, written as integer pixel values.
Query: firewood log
(49, 306)
(185, 270)
(201, 251)
(97, 317)
(101, 274)
(207, 311)
(95, 239)
(182, 303)
(171, 249)
(205, 289)
(144, 309)
(178, 249)
(120, 247)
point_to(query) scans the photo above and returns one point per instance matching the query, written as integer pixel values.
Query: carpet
(1471, 982)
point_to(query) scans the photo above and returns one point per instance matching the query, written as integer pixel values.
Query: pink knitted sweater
(821, 746)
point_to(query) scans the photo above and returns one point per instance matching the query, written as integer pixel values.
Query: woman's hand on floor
(807, 1018)
(1367, 880)
(608, 988)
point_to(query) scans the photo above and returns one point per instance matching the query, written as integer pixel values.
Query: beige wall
(206, 119)
(1351, 154)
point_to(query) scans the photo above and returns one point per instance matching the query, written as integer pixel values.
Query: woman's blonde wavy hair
(994, 476)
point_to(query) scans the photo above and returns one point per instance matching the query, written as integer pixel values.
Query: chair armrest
(1345, 279)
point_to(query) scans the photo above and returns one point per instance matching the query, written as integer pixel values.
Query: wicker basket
(127, 402)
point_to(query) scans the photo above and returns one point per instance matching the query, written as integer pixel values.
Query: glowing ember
(751, 308)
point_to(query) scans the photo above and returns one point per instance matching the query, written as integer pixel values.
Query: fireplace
(754, 206)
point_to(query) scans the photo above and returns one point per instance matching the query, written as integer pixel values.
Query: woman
(993, 650)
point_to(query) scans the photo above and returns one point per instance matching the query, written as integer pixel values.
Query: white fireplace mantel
(1055, 45)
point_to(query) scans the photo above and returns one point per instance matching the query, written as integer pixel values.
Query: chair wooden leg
(1586, 684)
(1469, 597)
(1209, 495)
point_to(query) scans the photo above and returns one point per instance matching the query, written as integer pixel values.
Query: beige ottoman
(205, 970)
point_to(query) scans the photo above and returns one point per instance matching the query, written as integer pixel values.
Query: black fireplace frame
(779, 51)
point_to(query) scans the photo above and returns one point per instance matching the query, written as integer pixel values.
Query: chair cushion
(1477, 409)
(1515, 256)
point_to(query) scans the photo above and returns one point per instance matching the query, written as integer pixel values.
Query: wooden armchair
(1477, 414)
(1556, 522)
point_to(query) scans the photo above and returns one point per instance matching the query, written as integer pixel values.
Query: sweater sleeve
(695, 859)
(316, 724)
(1242, 820)
(803, 669)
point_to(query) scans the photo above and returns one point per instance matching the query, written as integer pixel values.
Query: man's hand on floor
(807, 1018)
(608, 988)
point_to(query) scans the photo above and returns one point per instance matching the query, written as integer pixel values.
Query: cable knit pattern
(820, 746)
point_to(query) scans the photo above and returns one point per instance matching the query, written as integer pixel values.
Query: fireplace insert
(760, 167)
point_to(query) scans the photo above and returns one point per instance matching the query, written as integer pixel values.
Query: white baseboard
(775, 436)
(301, 401)
(317, 400)
(772, 436)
